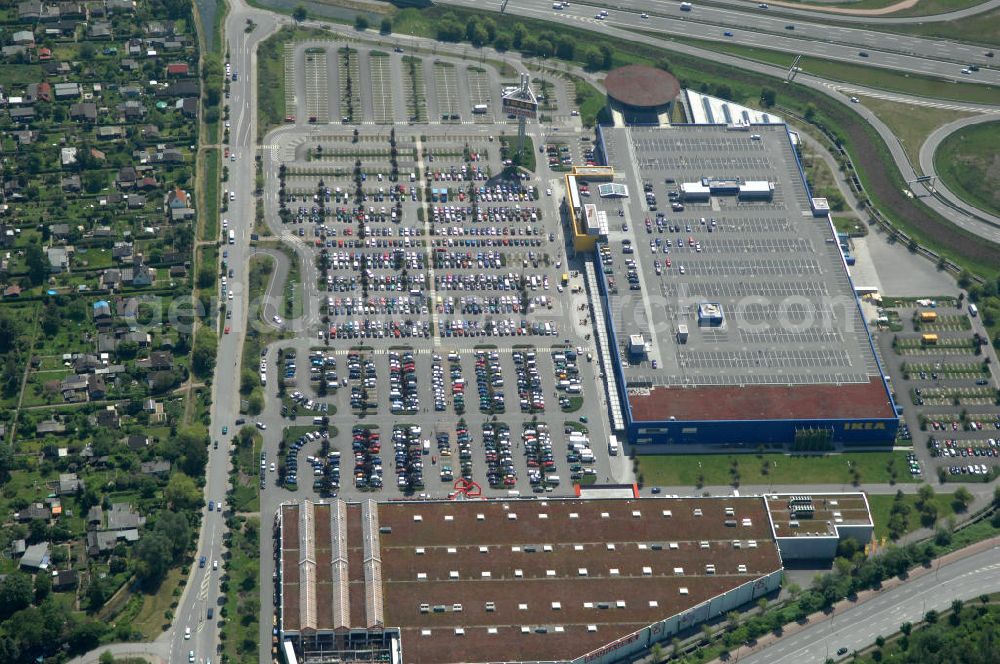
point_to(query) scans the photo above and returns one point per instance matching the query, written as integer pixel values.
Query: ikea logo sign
(864, 426)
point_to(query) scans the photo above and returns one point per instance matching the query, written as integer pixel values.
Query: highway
(851, 15)
(762, 28)
(857, 626)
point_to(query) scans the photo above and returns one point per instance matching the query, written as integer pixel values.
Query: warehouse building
(729, 313)
(810, 526)
(527, 580)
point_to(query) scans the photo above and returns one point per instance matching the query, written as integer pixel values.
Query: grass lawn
(875, 77)
(968, 162)
(822, 180)
(210, 206)
(508, 150)
(246, 497)
(589, 100)
(242, 608)
(910, 123)
(151, 618)
(882, 504)
(714, 469)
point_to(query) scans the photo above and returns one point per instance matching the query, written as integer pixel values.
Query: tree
(86, 635)
(16, 593)
(37, 264)
(43, 586)
(176, 528)
(502, 42)
(182, 493)
(591, 57)
(768, 97)
(386, 27)
(206, 276)
(608, 56)
(203, 356)
(962, 499)
(151, 556)
(106, 658)
(299, 13)
(361, 22)
(51, 320)
(925, 494)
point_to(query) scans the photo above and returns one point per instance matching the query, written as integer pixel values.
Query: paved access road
(857, 626)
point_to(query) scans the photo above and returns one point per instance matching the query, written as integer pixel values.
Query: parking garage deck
(545, 580)
(786, 339)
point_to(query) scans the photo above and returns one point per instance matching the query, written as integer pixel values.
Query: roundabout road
(931, 145)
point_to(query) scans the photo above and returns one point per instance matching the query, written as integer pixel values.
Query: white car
(187, 633)
(230, 295)
(277, 319)
(644, 15)
(232, 195)
(215, 564)
(855, 100)
(966, 71)
(272, 466)
(191, 656)
(262, 427)
(548, 192)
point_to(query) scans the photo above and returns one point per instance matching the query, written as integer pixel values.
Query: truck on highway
(479, 108)
(232, 237)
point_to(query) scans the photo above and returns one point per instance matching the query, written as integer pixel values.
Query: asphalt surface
(821, 12)
(857, 626)
(751, 26)
(930, 146)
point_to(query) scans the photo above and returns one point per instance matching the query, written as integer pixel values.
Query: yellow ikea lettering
(864, 426)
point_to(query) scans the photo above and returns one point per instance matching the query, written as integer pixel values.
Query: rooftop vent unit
(491, 606)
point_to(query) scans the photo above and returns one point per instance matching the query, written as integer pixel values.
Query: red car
(227, 329)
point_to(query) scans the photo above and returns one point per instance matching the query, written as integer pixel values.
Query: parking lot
(454, 353)
(945, 385)
(317, 90)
